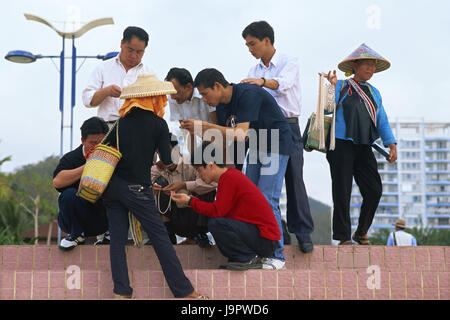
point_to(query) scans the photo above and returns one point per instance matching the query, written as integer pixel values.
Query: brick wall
(329, 272)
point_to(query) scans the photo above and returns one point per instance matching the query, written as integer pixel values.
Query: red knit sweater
(238, 198)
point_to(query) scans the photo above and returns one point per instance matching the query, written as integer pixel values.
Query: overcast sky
(197, 34)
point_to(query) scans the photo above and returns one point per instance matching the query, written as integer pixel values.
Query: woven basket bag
(100, 166)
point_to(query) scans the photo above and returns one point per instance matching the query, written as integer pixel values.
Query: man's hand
(191, 124)
(109, 91)
(157, 188)
(257, 81)
(180, 198)
(392, 153)
(113, 91)
(175, 186)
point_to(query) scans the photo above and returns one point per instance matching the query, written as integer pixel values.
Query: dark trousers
(77, 215)
(299, 219)
(349, 161)
(239, 241)
(121, 197)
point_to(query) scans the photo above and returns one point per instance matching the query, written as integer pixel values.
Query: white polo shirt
(195, 108)
(108, 73)
(285, 70)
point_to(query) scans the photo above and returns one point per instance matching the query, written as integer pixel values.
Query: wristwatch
(263, 82)
(190, 200)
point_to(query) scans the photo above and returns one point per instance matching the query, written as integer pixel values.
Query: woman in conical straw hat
(360, 120)
(141, 130)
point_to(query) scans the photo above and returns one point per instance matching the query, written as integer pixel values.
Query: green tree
(32, 192)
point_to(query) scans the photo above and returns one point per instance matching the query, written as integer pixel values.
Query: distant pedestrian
(400, 237)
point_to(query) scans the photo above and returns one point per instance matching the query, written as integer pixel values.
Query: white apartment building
(417, 187)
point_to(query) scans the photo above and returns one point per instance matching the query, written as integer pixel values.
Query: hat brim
(147, 85)
(147, 94)
(346, 65)
(399, 225)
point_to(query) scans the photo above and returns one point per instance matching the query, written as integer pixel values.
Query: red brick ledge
(330, 272)
(223, 284)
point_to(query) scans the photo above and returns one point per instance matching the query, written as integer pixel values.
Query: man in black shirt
(78, 217)
(248, 112)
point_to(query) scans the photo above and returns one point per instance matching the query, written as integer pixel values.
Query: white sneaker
(273, 264)
(68, 243)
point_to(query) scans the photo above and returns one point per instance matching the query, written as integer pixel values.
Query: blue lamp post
(20, 56)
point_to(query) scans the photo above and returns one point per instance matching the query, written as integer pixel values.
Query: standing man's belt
(292, 120)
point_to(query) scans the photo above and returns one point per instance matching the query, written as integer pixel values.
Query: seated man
(240, 219)
(181, 219)
(77, 217)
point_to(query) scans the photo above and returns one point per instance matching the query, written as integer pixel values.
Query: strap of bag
(371, 110)
(342, 97)
(159, 203)
(116, 124)
(395, 240)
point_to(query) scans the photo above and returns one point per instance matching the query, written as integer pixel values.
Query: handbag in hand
(320, 126)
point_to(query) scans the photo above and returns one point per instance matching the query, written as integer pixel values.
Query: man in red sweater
(241, 220)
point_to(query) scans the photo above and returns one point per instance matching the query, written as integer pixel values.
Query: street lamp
(20, 56)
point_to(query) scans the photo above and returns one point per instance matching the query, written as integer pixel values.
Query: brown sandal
(345, 243)
(361, 240)
(195, 295)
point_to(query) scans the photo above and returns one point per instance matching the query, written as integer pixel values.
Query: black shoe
(255, 263)
(202, 240)
(306, 247)
(103, 239)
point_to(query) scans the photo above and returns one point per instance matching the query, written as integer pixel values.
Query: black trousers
(299, 219)
(239, 241)
(121, 197)
(77, 215)
(349, 161)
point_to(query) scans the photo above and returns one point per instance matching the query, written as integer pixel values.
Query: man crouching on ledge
(241, 220)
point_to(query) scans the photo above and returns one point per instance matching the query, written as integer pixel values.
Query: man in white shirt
(279, 75)
(399, 237)
(108, 79)
(187, 103)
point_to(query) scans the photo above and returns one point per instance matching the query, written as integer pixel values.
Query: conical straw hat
(147, 85)
(363, 52)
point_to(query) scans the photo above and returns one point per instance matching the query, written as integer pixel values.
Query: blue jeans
(268, 175)
(238, 240)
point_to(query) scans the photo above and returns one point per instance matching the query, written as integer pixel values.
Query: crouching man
(240, 219)
(78, 217)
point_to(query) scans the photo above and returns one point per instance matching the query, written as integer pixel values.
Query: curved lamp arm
(88, 26)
